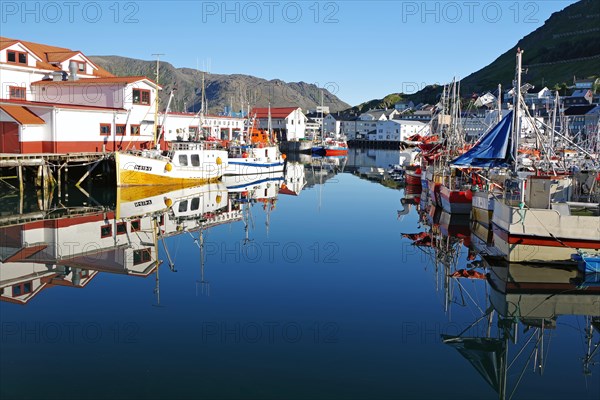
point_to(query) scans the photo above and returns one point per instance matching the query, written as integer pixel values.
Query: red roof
(276, 112)
(57, 105)
(22, 115)
(49, 54)
(86, 81)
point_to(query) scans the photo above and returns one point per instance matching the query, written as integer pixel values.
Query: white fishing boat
(259, 157)
(254, 159)
(545, 226)
(184, 163)
(537, 219)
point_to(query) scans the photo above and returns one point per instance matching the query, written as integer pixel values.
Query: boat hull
(542, 235)
(295, 146)
(336, 151)
(138, 169)
(456, 201)
(482, 207)
(413, 178)
(241, 167)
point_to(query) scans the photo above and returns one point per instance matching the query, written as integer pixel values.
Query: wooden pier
(48, 170)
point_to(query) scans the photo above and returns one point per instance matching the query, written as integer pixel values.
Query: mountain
(221, 90)
(564, 48)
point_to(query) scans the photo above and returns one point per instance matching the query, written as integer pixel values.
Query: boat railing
(150, 153)
(195, 146)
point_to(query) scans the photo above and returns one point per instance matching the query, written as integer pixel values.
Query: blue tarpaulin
(492, 149)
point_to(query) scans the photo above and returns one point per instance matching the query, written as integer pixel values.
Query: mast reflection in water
(296, 285)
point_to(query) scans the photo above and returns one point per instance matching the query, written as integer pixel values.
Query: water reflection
(515, 310)
(66, 239)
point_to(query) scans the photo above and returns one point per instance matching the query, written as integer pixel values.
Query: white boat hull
(542, 235)
(254, 161)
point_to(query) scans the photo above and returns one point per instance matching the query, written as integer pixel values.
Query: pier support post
(66, 181)
(89, 171)
(59, 182)
(20, 176)
(39, 177)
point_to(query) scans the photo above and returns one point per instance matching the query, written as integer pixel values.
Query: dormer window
(80, 66)
(16, 57)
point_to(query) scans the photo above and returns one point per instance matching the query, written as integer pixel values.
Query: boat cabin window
(195, 160)
(183, 160)
(195, 204)
(183, 206)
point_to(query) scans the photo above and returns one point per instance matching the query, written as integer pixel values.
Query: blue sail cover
(491, 150)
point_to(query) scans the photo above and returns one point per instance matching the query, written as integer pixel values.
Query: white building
(55, 100)
(289, 123)
(399, 130)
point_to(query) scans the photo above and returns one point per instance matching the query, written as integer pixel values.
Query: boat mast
(156, 101)
(517, 105)
(269, 127)
(554, 112)
(499, 102)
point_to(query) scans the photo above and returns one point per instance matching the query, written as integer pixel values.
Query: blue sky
(358, 49)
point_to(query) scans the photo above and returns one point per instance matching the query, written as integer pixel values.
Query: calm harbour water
(324, 299)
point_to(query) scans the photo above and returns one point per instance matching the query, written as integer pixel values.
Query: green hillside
(565, 48)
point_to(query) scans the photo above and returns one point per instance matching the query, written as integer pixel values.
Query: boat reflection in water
(71, 250)
(524, 306)
(517, 317)
(511, 331)
(46, 243)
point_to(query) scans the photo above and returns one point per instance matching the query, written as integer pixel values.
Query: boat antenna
(156, 100)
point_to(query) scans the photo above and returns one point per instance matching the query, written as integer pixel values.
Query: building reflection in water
(67, 240)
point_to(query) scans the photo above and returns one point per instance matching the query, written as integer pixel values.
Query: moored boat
(254, 159)
(335, 147)
(186, 163)
(413, 176)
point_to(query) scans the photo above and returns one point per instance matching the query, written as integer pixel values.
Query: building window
(135, 225)
(121, 228)
(17, 92)
(105, 129)
(16, 57)
(141, 96)
(141, 256)
(21, 289)
(120, 129)
(193, 130)
(134, 130)
(106, 231)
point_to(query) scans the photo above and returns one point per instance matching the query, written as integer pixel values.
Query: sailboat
(537, 219)
(184, 163)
